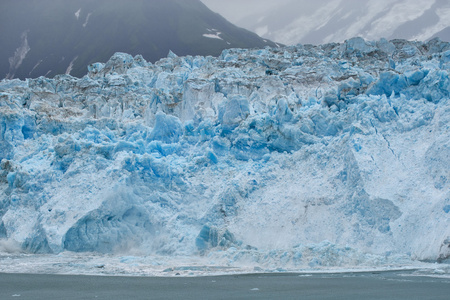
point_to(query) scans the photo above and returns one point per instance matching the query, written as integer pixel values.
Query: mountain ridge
(47, 37)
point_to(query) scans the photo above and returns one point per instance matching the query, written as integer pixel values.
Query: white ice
(318, 158)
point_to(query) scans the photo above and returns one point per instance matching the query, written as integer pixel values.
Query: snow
(19, 55)
(444, 15)
(213, 35)
(87, 19)
(400, 13)
(69, 68)
(35, 66)
(77, 13)
(297, 158)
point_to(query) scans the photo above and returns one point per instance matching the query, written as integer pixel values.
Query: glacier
(305, 156)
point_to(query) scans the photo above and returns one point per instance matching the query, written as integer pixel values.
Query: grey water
(349, 286)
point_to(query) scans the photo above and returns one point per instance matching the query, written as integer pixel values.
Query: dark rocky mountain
(50, 37)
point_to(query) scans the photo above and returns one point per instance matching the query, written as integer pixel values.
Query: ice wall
(330, 155)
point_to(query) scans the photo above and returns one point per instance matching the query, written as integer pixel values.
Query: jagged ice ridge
(335, 155)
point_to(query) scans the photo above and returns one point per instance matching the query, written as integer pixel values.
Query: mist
(237, 11)
(316, 22)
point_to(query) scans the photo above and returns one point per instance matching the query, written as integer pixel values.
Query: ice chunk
(116, 226)
(167, 128)
(232, 112)
(357, 46)
(210, 237)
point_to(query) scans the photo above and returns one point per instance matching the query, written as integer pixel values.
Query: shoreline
(303, 273)
(161, 267)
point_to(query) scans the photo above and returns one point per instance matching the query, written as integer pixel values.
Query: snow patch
(87, 19)
(77, 13)
(19, 55)
(35, 66)
(69, 68)
(214, 34)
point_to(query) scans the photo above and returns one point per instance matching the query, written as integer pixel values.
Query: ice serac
(333, 155)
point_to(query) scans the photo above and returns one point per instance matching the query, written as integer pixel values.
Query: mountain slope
(303, 21)
(49, 37)
(444, 34)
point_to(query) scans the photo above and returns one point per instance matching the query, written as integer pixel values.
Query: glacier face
(335, 155)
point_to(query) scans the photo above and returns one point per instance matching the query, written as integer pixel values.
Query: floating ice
(297, 157)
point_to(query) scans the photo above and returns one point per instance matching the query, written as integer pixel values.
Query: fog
(323, 21)
(237, 10)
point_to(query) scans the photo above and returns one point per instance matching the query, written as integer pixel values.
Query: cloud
(236, 10)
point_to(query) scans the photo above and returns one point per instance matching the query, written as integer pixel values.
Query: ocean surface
(349, 286)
